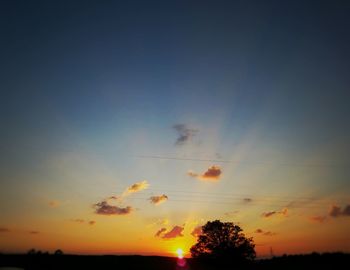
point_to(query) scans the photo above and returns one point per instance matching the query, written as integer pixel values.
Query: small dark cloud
(197, 231)
(4, 230)
(160, 232)
(185, 134)
(319, 219)
(267, 233)
(34, 232)
(158, 199)
(212, 173)
(175, 232)
(78, 220)
(336, 211)
(247, 200)
(82, 221)
(268, 214)
(54, 203)
(282, 213)
(103, 208)
(346, 211)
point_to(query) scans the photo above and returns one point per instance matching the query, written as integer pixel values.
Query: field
(55, 262)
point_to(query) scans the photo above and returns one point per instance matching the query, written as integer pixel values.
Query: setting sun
(180, 253)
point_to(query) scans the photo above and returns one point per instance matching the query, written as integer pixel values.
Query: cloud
(336, 211)
(54, 203)
(267, 233)
(283, 213)
(319, 219)
(212, 173)
(158, 199)
(159, 232)
(81, 221)
(113, 198)
(175, 232)
(346, 211)
(197, 231)
(103, 208)
(163, 221)
(268, 214)
(34, 232)
(159, 222)
(78, 220)
(247, 200)
(192, 174)
(136, 187)
(231, 213)
(185, 134)
(4, 230)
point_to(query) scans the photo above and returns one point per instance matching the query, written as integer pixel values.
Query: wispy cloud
(319, 219)
(231, 213)
(267, 233)
(103, 208)
(282, 213)
(268, 214)
(78, 220)
(33, 232)
(54, 203)
(185, 134)
(4, 230)
(247, 200)
(82, 221)
(213, 173)
(197, 231)
(176, 231)
(158, 199)
(336, 211)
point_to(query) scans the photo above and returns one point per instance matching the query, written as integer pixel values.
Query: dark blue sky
(92, 64)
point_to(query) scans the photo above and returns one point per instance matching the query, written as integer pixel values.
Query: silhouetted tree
(58, 252)
(223, 240)
(31, 251)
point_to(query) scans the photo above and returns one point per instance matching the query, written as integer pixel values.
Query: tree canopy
(223, 240)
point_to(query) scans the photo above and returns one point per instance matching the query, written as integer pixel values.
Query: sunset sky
(126, 125)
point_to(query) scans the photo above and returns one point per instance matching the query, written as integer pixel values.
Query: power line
(242, 162)
(181, 193)
(265, 201)
(228, 203)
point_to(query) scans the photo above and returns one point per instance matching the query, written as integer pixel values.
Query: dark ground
(54, 262)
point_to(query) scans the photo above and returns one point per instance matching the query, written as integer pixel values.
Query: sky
(127, 125)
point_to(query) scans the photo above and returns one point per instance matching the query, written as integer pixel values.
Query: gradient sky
(99, 95)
